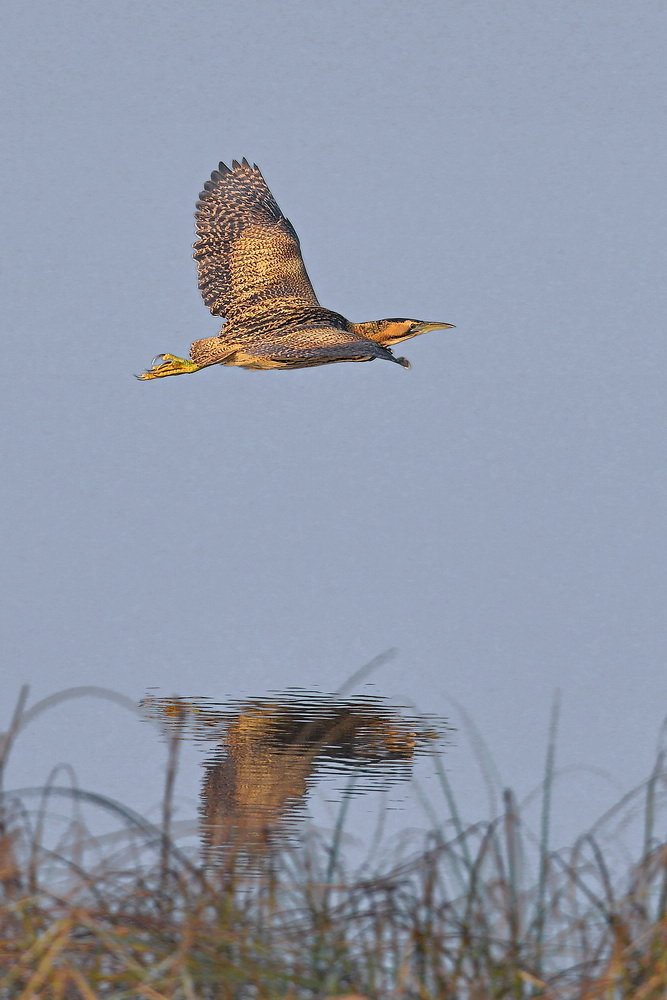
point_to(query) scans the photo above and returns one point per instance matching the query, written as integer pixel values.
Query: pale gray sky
(497, 513)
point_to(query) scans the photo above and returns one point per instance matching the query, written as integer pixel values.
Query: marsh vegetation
(476, 911)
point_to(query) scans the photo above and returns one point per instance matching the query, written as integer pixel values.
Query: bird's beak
(425, 327)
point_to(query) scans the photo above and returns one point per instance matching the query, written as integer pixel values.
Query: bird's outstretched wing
(247, 252)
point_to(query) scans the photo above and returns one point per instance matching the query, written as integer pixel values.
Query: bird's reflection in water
(270, 751)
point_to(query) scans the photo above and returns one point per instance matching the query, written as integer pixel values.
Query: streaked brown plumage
(252, 274)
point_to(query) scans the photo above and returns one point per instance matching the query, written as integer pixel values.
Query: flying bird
(252, 274)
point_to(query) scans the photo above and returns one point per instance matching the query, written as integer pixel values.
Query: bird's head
(393, 331)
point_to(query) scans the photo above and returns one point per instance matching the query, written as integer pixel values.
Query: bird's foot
(169, 364)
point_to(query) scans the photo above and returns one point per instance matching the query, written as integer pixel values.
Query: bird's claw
(168, 364)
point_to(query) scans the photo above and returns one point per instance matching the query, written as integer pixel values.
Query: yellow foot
(169, 364)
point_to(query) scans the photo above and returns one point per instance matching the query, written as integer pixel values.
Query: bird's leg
(169, 364)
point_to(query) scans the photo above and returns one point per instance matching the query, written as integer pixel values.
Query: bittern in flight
(251, 272)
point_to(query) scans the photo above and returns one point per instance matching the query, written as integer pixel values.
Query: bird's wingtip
(223, 170)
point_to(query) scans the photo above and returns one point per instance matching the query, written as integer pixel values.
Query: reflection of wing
(246, 250)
